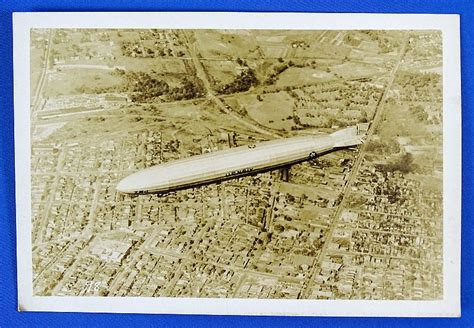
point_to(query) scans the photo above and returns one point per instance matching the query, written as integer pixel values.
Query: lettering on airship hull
(237, 172)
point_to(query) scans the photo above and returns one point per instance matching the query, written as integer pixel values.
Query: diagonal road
(201, 73)
(307, 286)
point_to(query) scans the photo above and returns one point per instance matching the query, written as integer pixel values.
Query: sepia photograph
(282, 166)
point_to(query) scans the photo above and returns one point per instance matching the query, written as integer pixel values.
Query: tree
(403, 164)
(243, 82)
(278, 228)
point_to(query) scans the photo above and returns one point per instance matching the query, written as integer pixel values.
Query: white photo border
(449, 306)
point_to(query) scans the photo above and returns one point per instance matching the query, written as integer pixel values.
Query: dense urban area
(359, 223)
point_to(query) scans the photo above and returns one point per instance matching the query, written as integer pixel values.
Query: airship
(236, 162)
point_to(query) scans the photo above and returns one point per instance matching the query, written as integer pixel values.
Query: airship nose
(153, 178)
(125, 186)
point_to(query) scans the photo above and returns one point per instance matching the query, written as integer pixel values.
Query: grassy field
(222, 71)
(273, 111)
(295, 76)
(351, 70)
(77, 81)
(224, 45)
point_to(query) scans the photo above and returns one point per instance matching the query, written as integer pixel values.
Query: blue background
(9, 317)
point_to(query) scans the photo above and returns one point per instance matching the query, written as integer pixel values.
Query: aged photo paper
(231, 163)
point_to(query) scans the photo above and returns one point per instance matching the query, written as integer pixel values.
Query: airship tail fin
(347, 137)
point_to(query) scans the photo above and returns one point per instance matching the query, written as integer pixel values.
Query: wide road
(37, 97)
(307, 287)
